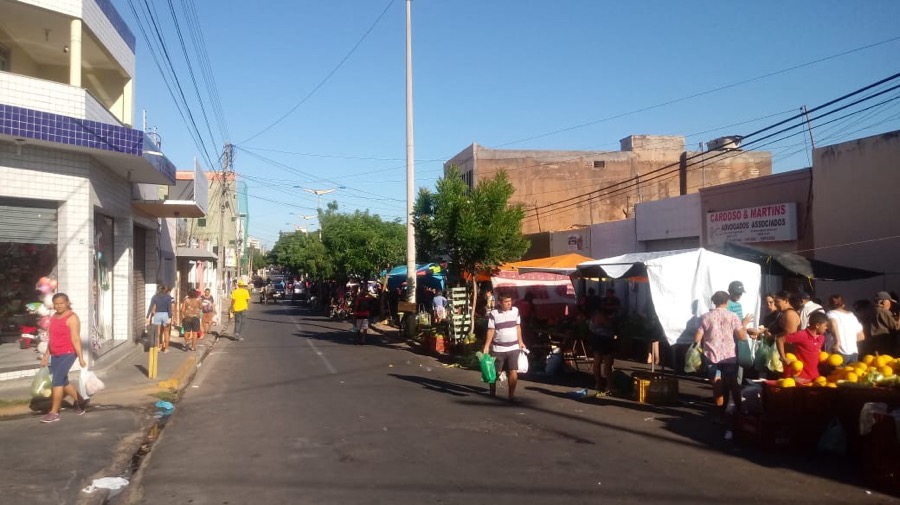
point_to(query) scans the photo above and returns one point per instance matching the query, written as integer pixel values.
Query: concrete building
(855, 210)
(82, 193)
(563, 190)
(841, 210)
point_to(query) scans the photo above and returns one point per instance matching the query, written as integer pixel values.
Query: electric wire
(326, 78)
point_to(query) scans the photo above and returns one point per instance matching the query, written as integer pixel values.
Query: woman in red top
(63, 348)
(807, 346)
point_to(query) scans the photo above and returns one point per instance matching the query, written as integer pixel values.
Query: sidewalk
(50, 463)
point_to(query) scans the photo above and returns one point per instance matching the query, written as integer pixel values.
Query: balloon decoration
(44, 322)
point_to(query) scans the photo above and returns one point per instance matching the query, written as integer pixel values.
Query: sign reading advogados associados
(766, 223)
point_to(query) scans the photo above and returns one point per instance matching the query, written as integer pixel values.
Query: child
(807, 345)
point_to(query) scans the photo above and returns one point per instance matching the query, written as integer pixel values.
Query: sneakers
(50, 417)
(240, 338)
(80, 407)
(602, 394)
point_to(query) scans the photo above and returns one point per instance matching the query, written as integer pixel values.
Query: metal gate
(139, 293)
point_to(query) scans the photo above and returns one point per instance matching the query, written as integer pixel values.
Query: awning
(195, 253)
(564, 264)
(791, 264)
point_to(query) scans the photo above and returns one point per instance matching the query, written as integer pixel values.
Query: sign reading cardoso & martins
(766, 223)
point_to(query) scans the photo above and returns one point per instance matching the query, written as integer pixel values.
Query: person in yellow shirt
(240, 302)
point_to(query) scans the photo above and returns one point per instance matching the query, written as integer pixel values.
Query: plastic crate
(654, 387)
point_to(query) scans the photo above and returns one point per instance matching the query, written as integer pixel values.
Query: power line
(702, 93)
(326, 78)
(619, 187)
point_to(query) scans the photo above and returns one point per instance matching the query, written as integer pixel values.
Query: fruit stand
(824, 415)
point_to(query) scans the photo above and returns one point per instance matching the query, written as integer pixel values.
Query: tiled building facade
(71, 168)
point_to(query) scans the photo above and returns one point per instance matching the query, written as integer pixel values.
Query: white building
(82, 193)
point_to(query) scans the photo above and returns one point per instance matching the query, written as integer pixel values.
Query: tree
(361, 244)
(303, 253)
(479, 229)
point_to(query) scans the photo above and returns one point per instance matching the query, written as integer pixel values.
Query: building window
(599, 164)
(201, 222)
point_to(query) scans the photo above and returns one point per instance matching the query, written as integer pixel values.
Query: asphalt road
(297, 414)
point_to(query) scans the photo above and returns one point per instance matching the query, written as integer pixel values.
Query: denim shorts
(59, 368)
(160, 318)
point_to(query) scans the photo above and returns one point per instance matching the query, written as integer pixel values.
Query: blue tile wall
(33, 124)
(113, 15)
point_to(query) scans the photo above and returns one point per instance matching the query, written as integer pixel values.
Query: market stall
(681, 282)
(547, 279)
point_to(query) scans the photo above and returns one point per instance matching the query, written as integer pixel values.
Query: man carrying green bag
(488, 370)
(504, 343)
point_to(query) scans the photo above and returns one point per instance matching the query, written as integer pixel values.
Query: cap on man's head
(884, 295)
(736, 288)
(242, 282)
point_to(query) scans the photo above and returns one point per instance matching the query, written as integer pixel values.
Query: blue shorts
(59, 368)
(160, 318)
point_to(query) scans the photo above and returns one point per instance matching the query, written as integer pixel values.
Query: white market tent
(681, 282)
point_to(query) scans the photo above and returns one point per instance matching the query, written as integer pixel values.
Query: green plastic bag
(693, 360)
(488, 368)
(42, 384)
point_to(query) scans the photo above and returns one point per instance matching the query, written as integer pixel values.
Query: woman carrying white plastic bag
(89, 384)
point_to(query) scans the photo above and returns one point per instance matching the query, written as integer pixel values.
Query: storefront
(28, 241)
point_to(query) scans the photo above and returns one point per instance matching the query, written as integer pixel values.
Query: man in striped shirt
(505, 333)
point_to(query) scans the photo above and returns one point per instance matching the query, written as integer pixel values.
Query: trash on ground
(111, 483)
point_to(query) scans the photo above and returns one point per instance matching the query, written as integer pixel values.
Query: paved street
(297, 414)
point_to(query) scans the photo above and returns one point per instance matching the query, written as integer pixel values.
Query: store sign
(766, 223)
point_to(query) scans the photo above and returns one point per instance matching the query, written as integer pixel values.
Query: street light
(319, 193)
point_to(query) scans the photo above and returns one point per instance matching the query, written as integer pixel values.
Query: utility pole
(224, 193)
(410, 167)
(812, 141)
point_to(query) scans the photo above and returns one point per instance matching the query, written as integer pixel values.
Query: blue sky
(529, 74)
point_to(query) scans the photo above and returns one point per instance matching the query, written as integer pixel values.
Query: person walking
(240, 302)
(63, 349)
(504, 342)
(191, 308)
(718, 331)
(208, 309)
(361, 311)
(160, 315)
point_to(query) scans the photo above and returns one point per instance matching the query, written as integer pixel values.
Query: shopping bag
(488, 368)
(82, 385)
(92, 383)
(423, 318)
(693, 359)
(744, 353)
(42, 384)
(523, 361)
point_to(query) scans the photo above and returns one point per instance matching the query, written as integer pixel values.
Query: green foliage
(361, 244)
(302, 252)
(478, 229)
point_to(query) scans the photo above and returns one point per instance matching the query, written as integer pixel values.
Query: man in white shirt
(504, 342)
(808, 307)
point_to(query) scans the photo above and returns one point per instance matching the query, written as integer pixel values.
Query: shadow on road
(440, 386)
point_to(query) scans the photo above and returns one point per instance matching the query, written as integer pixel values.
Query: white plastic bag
(92, 383)
(82, 385)
(523, 361)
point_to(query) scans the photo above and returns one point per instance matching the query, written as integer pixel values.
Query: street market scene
(228, 276)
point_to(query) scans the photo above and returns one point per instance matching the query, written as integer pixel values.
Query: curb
(131, 396)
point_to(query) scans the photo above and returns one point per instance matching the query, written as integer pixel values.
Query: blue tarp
(429, 274)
